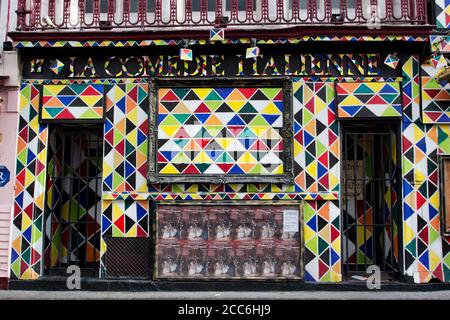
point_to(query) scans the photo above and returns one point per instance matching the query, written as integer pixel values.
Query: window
(242, 5)
(234, 132)
(89, 7)
(196, 5)
(444, 170)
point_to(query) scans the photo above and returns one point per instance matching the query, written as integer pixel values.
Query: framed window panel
(221, 131)
(444, 175)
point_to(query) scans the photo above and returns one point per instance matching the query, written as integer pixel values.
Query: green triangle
(363, 88)
(90, 114)
(411, 247)
(270, 92)
(258, 121)
(202, 166)
(181, 157)
(323, 245)
(170, 120)
(213, 95)
(181, 117)
(248, 108)
(181, 92)
(26, 91)
(312, 245)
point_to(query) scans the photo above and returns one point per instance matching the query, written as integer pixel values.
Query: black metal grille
(73, 199)
(370, 206)
(128, 258)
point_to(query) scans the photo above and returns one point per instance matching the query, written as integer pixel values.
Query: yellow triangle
(170, 130)
(202, 93)
(90, 100)
(169, 169)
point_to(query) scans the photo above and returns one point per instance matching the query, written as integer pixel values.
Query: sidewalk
(229, 295)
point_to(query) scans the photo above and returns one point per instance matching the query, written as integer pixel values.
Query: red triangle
(120, 223)
(191, 169)
(437, 273)
(433, 115)
(24, 134)
(323, 268)
(202, 142)
(248, 92)
(65, 114)
(90, 91)
(170, 96)
(420, 200)
(29, 210)
(202, 108)
(376, 99)
(333, 233)
(406, 144)
(120, 147)
(161, 158)
(109, 136)
(225, 166)
(324, 159)
(141, 232)
(424, 234)
(133, 93)
(279, 96)
(21, 177)
(324, 180)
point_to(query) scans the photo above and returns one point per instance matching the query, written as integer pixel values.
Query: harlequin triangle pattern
(391, 61)
(72, 102)
(411, 89)
(316, 141)
(220, 131)
(368, 99)
(322, 241)
(30, 186)
(426, 255)
(435, 97)
(217, 34)
(126, 218)
(442, 11)
(125, 138)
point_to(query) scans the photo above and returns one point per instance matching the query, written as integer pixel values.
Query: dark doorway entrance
(73, 199)
(370, 200)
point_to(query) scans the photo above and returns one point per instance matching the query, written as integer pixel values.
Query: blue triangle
(271, 118)
(141, 212)
(236, 170)
(424, 259)
(105, 223)
(312, 223)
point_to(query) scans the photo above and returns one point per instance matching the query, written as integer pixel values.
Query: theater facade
(288, 156)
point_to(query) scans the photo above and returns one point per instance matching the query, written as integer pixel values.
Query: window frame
(286, 132)
(445, 229)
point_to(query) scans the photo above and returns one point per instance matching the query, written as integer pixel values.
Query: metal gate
(73, 211)
(370, 202)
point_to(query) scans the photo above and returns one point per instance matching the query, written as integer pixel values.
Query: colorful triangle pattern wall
(220, 131)
(30, 186)
(435, 97)
(72, 102)
(442, 11)
(368, 99)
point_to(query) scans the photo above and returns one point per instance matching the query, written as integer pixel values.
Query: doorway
(370, 198)
(73, 199)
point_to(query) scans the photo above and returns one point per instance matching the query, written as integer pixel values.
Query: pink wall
(8, 132)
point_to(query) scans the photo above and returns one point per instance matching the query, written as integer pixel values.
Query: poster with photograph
(194, 225)
(169, 261)
(221, 262)
(193, 262)
(169, 225)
